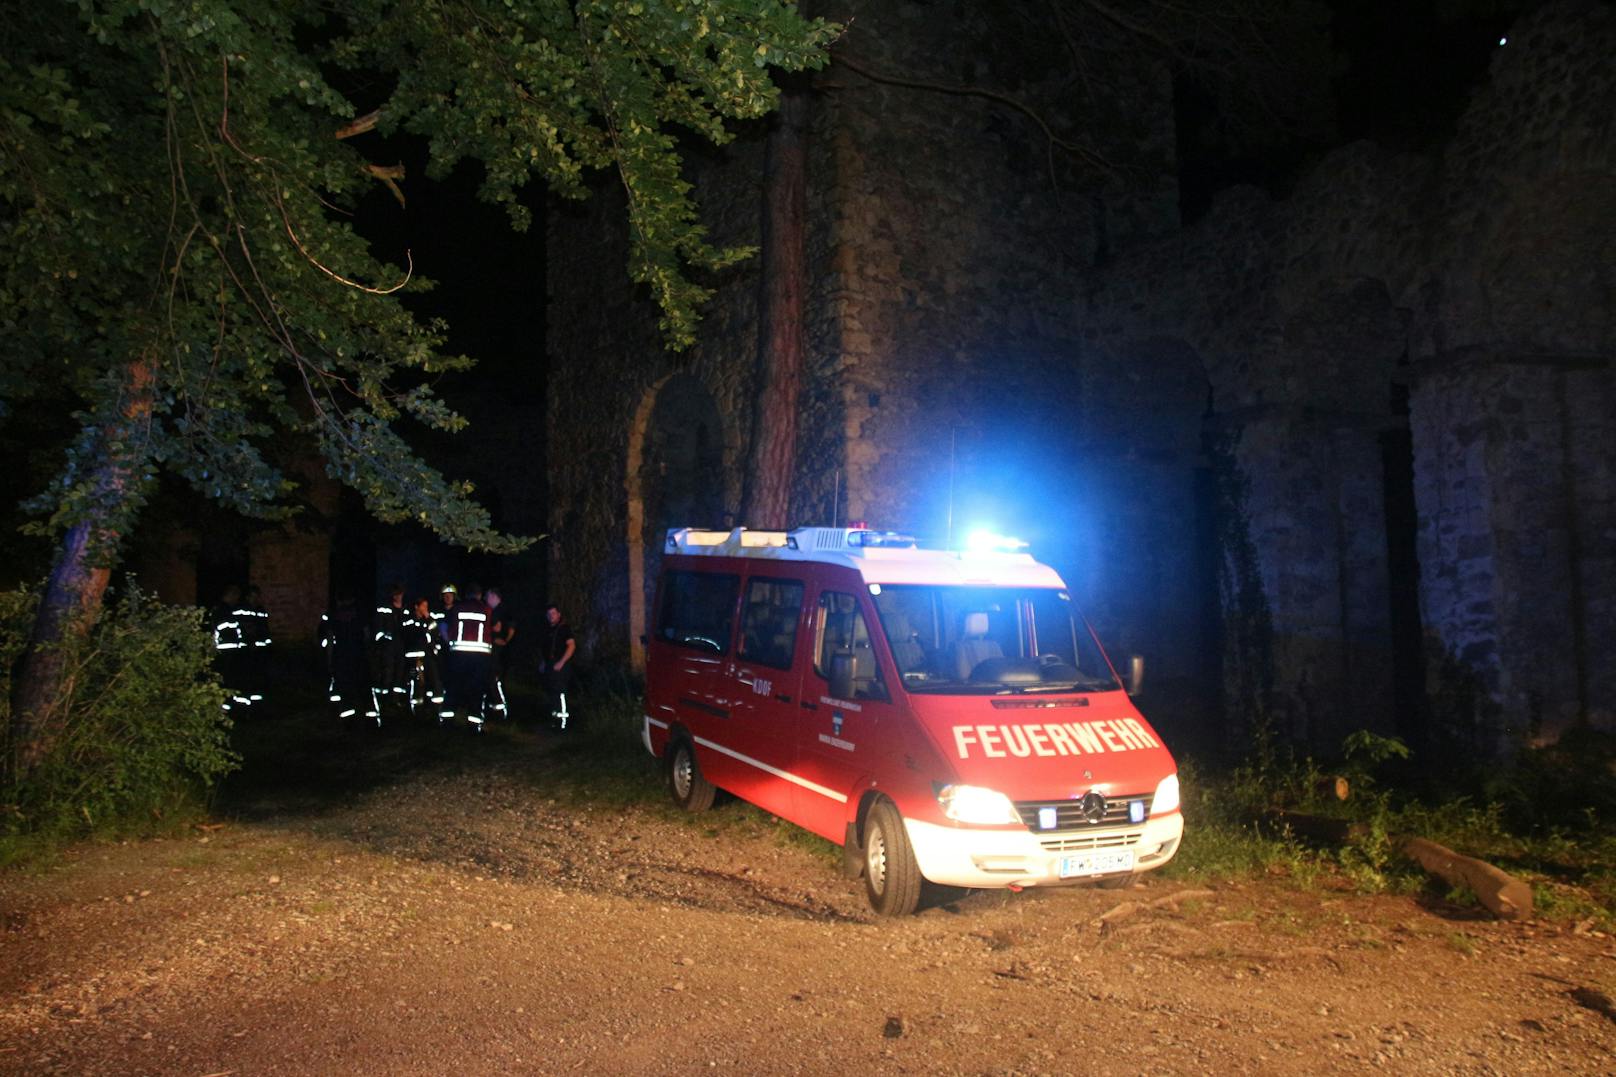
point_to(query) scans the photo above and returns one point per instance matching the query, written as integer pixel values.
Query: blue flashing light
(882, 540)
(1046, 818)
(982, 540)
(1136, 811)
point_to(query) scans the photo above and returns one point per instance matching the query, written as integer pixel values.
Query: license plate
(1099, 862)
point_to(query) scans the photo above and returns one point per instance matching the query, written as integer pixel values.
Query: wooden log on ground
(1505, 896)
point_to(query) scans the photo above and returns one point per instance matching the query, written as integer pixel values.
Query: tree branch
(1086, 153)
(388, 174)
(360, 126)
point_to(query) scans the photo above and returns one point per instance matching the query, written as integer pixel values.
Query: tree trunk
(781, 335)
(78, 580)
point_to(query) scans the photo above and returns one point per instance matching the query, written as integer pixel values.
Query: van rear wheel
(690, 790)
(891, 874)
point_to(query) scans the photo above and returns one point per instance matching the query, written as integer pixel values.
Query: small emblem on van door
(1093, 807)
(836, 723)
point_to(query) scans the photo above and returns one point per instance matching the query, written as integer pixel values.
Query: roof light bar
(882, 540)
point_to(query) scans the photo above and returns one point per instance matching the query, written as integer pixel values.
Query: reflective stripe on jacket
(469, 631)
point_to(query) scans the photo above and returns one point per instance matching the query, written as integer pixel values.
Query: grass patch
(1569, 858)
(603, 758)
(603, 762)
(1222, 842)
(35, 853)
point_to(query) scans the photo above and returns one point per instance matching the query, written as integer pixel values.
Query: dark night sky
(489, 279)
(1404, 70)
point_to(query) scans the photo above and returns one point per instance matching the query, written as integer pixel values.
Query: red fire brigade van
(942, 715)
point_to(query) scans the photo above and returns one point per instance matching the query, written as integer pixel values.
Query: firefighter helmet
(448, 589)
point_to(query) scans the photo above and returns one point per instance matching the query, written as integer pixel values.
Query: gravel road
(482, 915)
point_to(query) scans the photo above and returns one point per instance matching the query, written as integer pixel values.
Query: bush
(146, 735)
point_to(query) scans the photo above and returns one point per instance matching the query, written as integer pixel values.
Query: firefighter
(385, 653)
(490, 703)
(328, 657)
(501, 631)
(420, 651)
(255, 641)
(465, 629)
(229, 643)
(342, 639)
(557, 647)
(446, 602)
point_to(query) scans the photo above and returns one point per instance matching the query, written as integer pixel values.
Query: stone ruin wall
(955, 236)
(290, 563)
(1231, 387)
(910, 264)
(959, 235)
(1523, 323)
(1480, 279)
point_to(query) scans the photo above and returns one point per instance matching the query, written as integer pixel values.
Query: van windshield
(968, 640)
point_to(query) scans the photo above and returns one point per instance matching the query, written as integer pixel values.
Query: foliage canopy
(178, 260)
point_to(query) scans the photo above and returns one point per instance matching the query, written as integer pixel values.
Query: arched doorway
(675, 478)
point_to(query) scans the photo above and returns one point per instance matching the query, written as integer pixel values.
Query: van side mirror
(1136, 674)
(841, 676)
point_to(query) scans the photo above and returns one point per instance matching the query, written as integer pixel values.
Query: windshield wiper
(1087, 684)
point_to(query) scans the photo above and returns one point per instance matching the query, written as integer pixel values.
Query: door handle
(744, 676)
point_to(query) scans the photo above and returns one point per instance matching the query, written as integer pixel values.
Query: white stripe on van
(778, 773)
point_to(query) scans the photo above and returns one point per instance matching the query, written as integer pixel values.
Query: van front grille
(1077, 843)
(1069, 813)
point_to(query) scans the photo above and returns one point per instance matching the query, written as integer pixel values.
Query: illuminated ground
(464, 906)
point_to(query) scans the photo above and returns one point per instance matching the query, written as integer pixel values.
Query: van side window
(841, 630)
(698, 610)
(769, 621)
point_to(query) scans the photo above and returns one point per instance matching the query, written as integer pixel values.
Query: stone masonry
(1194, 424)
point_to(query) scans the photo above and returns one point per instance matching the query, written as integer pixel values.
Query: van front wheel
(891, 874)
(690, 790)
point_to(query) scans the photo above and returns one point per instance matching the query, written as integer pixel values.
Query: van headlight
(1166, 798)
(974, 804)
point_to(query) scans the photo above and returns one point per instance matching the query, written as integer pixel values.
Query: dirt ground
(466, 913)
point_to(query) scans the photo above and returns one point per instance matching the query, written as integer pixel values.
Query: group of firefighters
(448, 662)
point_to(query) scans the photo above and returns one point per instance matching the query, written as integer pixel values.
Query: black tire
(688, 788)
(891, 873)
